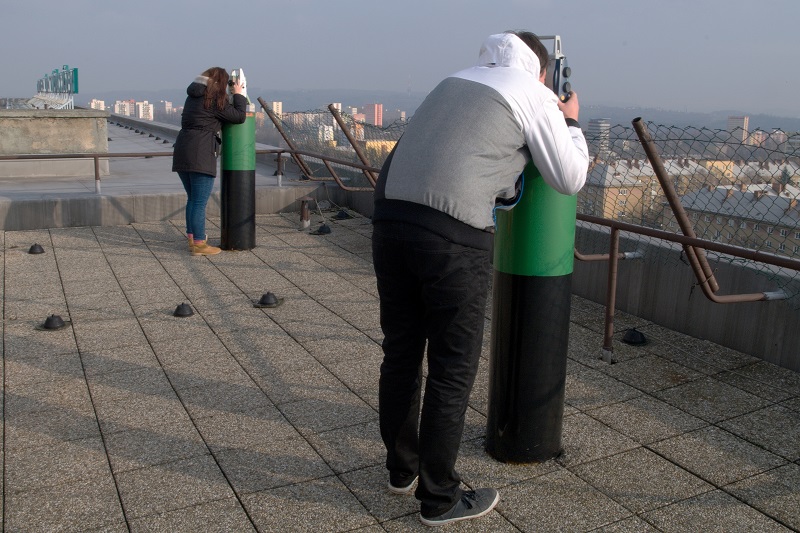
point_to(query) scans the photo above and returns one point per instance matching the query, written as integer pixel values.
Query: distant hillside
(306, 100)
(715, 120)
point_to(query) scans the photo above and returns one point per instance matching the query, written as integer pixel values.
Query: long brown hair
(215, 89)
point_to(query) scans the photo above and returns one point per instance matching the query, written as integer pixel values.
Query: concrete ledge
(67, 131)
(170, 131)
(117, 210)
(662, 288)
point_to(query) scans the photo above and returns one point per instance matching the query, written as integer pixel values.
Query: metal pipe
(276, 121)
(305, 215)
(672, 197)
(638, 254)
(338, 117)
(690, 247)
(611, 296)
(96, 175)
(744, 253)
(334, 176)
(336, 160)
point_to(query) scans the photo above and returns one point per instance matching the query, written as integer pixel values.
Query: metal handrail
(744, 253)
(296, 155)
(327, 160)
(371, 176)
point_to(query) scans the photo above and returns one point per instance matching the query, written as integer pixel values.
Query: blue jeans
(198, 189)
(432, 292)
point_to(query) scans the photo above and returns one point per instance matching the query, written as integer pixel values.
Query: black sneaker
(473, 504)
(405, 489)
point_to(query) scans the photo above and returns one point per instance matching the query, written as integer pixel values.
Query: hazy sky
(685, 55)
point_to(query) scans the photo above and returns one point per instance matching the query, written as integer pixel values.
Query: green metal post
(238, 187)
(533, 263)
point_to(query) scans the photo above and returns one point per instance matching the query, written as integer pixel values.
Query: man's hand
(571, 107)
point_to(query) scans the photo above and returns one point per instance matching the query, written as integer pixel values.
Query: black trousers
(431, 290)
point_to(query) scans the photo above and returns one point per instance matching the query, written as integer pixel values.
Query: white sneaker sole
(402, 491)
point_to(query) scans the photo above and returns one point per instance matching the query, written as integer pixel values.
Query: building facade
(738, 128)
(145, 110)
(374, 114)
(125, 107)
(598, 137)
(761, 216)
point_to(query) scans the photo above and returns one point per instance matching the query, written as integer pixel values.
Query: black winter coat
(198, 142)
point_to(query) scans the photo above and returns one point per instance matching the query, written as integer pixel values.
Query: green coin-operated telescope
(533, 263)
(238, 187)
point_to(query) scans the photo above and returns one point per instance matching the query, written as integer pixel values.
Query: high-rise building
(165, 107)
(598, 137)
(776, 139)
(97, 104)
(757, 138)
(374, 114)
(324, 133)
(738, 127)
(144, 110)
(124, 107)
(277, 108)
(261, 119)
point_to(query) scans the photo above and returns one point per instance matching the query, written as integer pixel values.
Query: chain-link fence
(736, 187)
(318, 132)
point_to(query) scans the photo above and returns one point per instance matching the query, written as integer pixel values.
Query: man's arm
(558, 147)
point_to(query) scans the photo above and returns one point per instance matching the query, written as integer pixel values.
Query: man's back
(470, 139)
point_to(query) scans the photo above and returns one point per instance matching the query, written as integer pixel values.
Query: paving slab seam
(189, 414)
(714, 486)
(255, 382)
(89, 391)
(719, 429)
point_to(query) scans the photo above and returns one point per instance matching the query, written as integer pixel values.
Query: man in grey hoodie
(463, 151)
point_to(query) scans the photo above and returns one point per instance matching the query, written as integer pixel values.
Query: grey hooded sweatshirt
(469, 141)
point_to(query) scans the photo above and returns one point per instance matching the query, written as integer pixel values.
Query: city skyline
(684, 56)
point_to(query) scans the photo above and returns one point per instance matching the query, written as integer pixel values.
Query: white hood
(508, 50)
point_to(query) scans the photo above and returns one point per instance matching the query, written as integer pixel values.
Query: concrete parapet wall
(51, 131)
(98, 210)
(170, 132)
(664, 290)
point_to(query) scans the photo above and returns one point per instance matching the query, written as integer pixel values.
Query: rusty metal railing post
(360, 153)
(276, 121)
(279, 171)
(96, 174)
(305, 213)
(693, 242)
(611, 296)
(674, 201)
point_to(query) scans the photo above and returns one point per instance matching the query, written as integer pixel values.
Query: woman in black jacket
(197, 147)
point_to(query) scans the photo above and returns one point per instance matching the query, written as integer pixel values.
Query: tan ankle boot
(191, 241)
(203, 248)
